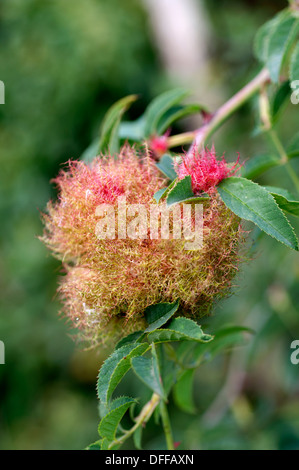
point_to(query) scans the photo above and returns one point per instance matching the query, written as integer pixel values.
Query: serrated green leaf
(281, 37)
(183, 392)
(109, 424)
(180, 191)
(286, 201)
(258, 165)
(147, 369)
(115, 367)
(159, 106)
(294, 65)
(180, 329)
(165, 165)
(109, 141)
(252, 202)
(105, 444)
(131, 338)
(97, 445)
(162, 193)
(158, 314)
(158, 195)
(175, 113)
(119, 401)
(195, 200)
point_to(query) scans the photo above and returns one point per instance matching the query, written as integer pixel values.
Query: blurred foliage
(63, 66)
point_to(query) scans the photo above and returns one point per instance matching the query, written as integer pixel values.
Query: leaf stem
(166, 425)
(199, 136)
(265, 115)
(284, 158)
(142, 418)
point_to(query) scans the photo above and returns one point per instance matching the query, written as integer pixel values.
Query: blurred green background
(63, 64)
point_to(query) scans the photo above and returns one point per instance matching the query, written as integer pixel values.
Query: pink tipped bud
(159, 145)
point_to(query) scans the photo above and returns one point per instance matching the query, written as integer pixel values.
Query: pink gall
(205, 170)
(159, 145)
(108, 283)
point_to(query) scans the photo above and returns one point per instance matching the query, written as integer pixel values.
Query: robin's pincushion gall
(108, 283)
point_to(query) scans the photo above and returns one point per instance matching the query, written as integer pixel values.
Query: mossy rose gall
(108, 283)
